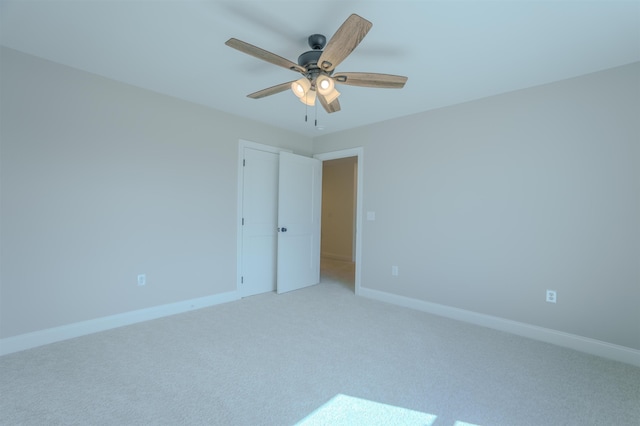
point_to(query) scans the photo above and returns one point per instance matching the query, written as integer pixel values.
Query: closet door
(259, 221)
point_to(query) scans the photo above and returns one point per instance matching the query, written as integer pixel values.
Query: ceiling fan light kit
(323, 85)
(318, 65)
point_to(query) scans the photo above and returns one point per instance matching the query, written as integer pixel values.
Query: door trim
(352, 152)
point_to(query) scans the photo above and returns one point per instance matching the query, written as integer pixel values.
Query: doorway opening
(338, 233)
(341, 213)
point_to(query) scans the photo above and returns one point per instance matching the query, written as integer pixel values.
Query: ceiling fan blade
(265, 55)
(329, 107)
(368, 79)
(348, 36)
(270, 90)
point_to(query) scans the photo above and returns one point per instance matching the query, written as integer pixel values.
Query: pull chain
(316, 123)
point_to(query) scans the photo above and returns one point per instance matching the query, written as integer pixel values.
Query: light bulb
(324, 84)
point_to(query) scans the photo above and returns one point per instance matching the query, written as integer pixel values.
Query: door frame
(242, 144)
(359, 153)
(333, 155)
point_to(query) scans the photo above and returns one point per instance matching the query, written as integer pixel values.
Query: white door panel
(299, 199)
(260, 215)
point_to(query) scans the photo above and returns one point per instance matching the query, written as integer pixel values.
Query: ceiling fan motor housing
(309, 59)
(317, 41)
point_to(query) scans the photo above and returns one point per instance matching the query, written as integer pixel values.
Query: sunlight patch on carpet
(348, 410)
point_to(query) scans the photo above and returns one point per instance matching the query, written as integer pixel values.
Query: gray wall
(485, 205)
(101, 181)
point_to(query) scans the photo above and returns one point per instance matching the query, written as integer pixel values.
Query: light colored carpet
(274, 359)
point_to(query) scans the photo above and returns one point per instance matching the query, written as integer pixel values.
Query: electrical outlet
(394, 271)
(142, 279)
(551, 296)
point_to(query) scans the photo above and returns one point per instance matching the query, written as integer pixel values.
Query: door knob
(282, 229)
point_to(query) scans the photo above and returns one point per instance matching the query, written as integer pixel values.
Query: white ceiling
(452, 51)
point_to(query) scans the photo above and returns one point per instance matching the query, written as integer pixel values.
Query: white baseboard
(43, 337)
(572, 341)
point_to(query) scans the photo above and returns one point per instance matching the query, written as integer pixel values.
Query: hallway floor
(340, 271)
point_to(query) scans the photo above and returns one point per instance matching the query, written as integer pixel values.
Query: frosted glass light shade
(332, 96)
(301, 87)
(309, 98)
(324, 85)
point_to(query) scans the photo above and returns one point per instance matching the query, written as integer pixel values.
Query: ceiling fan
(317, 66)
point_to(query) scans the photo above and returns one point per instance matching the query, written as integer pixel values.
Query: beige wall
(338, 208)
(485, 205)
(102, 181)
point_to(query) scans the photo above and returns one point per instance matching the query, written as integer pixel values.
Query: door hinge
(244, 162)
(241, 280)
(243, 221)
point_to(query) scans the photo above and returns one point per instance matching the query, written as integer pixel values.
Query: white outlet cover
(371, 215)
(142, 279)
(551, 296)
